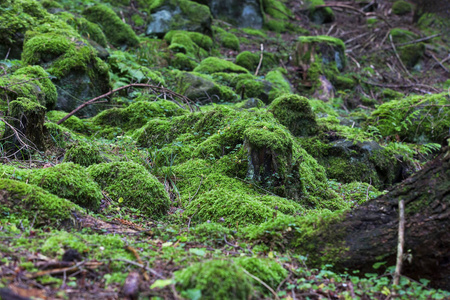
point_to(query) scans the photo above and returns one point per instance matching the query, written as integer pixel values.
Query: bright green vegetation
(84, 154)
(69, 181)
(117, 32)
(212, 278)
(29, 201)
(252, 183)
(31, 82)
(133, 184)
(416, 119)
(226, 39)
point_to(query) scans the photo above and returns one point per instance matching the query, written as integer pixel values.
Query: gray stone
(245, 13)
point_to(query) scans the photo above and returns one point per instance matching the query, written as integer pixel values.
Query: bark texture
(371, 230)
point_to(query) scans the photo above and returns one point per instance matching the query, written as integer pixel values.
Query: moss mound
(295, 113)
(216, 279)
(29, 201)
(69, 181)
(32, 82)
(268, 270)
(117, 32)
(213, 65)
(248, 60)
(83, 154)
(134, 184)
(401, 7)
(73, 123)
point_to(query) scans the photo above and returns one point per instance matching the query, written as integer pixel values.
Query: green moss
(268, 270)
(69, 181)
(329, 49)
(134, 184)
(216, 279)
(226, 39)
(277, 9)
(255, 32)
(182, 62)
(401, 7)
(425, 120)
(84, 154)
(320, 15)
(29, 201)
(249, 86)
(62, 54)
(117, 32)
(31, 82)
(213, 65)
(295, 113)
(279, 83)
(400, 35)
(137, 114)
(248, 60)
(199, 39)
(275, 25)
(73, 123)
(85, 28)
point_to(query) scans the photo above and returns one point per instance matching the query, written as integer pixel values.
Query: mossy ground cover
(233, 201)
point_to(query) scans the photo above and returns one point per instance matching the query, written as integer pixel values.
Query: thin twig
(140, 266)
(398, 56)
(263, 283)
(152, 87)
(260, 60)
(401, 240)
(439, 63)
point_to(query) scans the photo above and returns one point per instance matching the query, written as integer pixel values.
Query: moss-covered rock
(183, 62)
(214, 65)
(27, 119)
(69, 181)
(83, 154)
(329, 49)
(73, 123)
(295, 113)
(138, 113)
(244, 15)
(409, 54)
(34, 203)
(200, 88)
(216, 279)
(276, 9)
(16, 18)
(134, 184)
(178, 15)
(249, 86)
(32, 82)
(248, 60)
(226, 39)
(80, 73)
(319, 15)
(85, 28)
(279, 83)
(117, 32)
(401, 7)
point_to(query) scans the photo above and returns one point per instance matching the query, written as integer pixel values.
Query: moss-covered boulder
(16, 18)
(83, 154)
(202, 89)
(226, 39)
(183, 62)
(28, 201)
(179, 15)
(134, 184)
(241, 14)
(347, 161)
(73, 123)
(79, 73)
(117, 32)
(401, 7)
(319, 15)
(69, 181)
(276, 9)
(214, 65)
(26, 131)
(295, 113)
(138, 113)
(249, 86)
(409, 54)
(32, 82)
(193, 44)
(216, 279)
(324, 48)
(248, 60)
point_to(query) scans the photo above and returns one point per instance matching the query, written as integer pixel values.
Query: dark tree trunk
(371, 231)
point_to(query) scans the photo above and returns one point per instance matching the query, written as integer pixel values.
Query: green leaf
(198, 251)
(162, 283)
